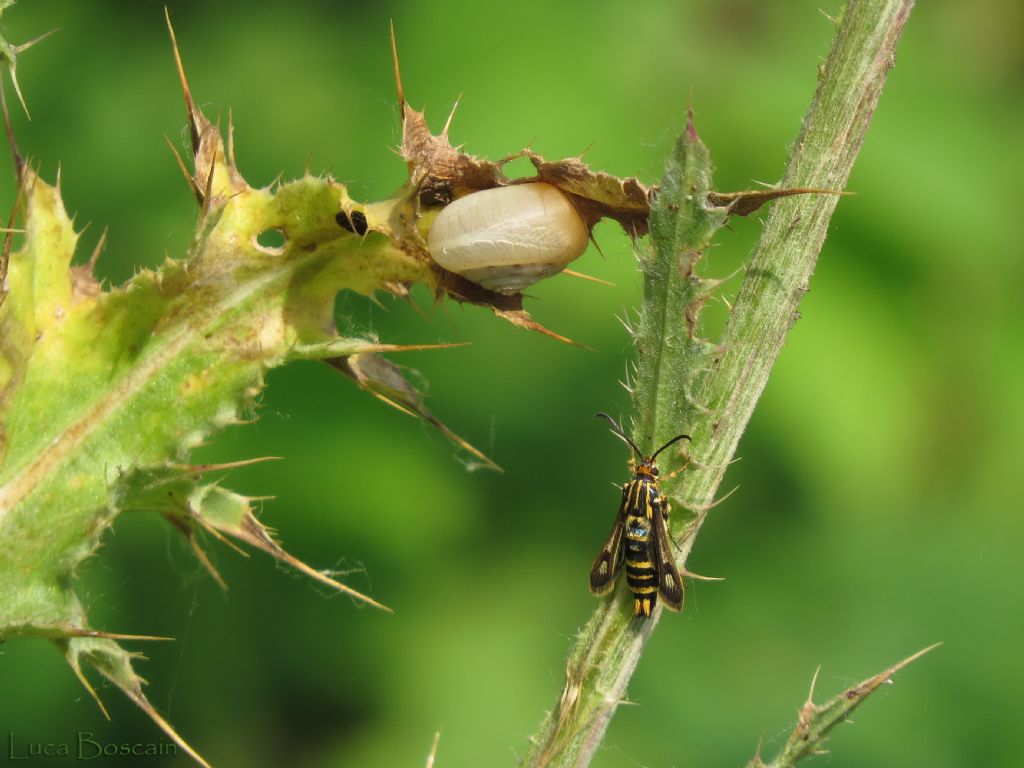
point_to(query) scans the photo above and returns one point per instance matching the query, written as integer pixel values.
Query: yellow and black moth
(640, 538)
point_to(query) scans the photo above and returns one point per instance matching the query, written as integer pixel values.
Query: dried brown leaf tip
(386, 381)
(598, 195)
(215, 173)
(437, 170)
(749, 200)
(441, 172)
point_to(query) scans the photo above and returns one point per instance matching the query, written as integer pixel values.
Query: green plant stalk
(683, 382)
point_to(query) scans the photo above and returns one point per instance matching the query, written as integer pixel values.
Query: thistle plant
(104, 392)
(711, 387)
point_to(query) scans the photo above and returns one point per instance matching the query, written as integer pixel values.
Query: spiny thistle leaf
(9, 53)
(817, 720)
(98, 387)
(104, 393)
(115, 665)
(683, 224)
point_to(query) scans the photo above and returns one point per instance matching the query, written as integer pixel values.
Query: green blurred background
(879, 507)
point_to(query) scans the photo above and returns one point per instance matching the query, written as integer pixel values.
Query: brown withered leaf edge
(440, 173)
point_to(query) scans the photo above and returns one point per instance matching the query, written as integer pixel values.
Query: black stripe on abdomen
(641, 575)
(645, 588)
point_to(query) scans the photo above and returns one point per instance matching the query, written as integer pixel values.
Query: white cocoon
(507, 238)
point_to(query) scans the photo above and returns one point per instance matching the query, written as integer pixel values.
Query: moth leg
(675, 472)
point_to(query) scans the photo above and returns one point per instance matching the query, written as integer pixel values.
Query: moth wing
(609, 561)
(670, 583)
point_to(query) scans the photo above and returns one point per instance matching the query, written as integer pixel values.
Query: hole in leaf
(271, 240)
(520, 168)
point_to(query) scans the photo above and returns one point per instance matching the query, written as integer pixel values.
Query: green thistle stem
(685, 382)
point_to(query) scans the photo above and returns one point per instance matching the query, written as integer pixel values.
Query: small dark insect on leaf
(353, 222)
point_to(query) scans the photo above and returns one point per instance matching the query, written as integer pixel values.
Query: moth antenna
(675, 439)
(618, 430)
